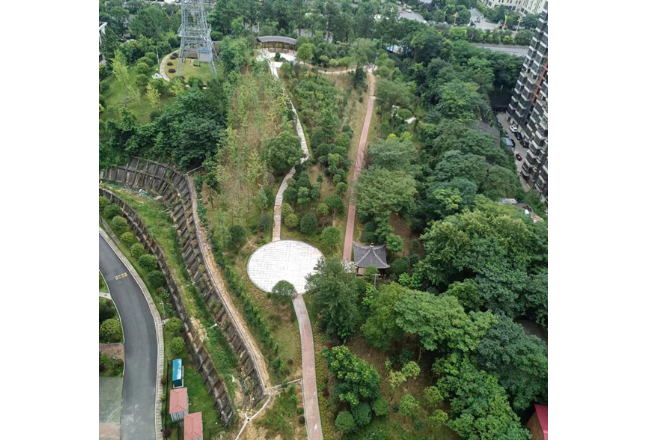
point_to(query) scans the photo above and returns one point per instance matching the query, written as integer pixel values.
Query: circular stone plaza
(288, 260)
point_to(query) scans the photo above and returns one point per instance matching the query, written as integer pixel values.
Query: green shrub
(309, 224)
(344, 422)
(106, 310)
(341, 188)
(322, 210)
(265, 222)
(380, 406)
(110, 211)
(177, 346)
(156, 278)
(148, 262)
(283, 292)
(331, 236)
(119, 224)
(237, 236)
(174, 326)
(137, 250)
(362, 414)
(128, 238)
(286, 210)
(291, 221)
(111, 330)
(103, 202)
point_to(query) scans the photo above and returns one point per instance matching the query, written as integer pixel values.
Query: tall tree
(336, 296)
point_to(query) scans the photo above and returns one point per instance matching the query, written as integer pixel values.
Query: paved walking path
(310, 396)
(162, 70)
(283, 186)
(358, 165)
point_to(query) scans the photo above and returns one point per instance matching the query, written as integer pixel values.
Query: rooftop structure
(178, 406)
(193, 426)
(370, 255)
(537, 424)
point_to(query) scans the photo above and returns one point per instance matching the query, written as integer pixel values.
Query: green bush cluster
(121, 228)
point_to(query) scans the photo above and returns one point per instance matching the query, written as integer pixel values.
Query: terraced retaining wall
(172, 188)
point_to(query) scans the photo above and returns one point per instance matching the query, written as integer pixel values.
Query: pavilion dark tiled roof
(368, 255)
(277, 39)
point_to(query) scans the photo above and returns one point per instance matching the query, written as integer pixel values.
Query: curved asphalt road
(139, 379)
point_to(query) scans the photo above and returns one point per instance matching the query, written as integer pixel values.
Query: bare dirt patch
(115, 351)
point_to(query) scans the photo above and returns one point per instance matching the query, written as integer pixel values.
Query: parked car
(518, 135)
(519, 157)
(524, 143)
(509, 143)
(513, 128)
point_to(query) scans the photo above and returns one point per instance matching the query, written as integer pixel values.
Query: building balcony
(541, 52)
(540, 184)
(540, 138)
(543, 176)
(531, 161)
(534, 150)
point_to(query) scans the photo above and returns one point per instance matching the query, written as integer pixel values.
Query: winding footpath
(142, 330)
(283, 186)
(162, 70)
(358, 165)
(310, 394)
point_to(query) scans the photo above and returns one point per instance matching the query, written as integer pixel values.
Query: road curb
(158, 330)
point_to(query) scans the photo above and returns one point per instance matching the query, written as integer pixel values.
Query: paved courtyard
(109, 407)
(287, 260)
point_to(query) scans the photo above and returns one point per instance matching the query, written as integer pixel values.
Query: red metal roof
(193, 426)
(541, 413)
(178, 400)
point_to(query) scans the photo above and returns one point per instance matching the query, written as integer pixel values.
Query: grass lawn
(191, 68)
(115, 97)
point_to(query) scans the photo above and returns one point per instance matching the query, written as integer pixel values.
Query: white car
(513, 128)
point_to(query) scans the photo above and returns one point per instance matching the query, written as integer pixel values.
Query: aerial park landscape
(305, 233)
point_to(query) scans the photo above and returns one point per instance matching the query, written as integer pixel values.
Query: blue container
(178, 376)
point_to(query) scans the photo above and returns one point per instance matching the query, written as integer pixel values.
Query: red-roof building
(178, 407)
(537, 424)
(193, 426)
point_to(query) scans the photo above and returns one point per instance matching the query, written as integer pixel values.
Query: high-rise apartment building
(533, 6)
(528, 107)
(522, 6)
(512, 5)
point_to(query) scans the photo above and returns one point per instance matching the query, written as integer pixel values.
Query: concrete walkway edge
(358, 165)
(158, 330)
(310, 392)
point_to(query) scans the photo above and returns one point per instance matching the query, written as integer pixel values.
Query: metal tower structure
(195, 33)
